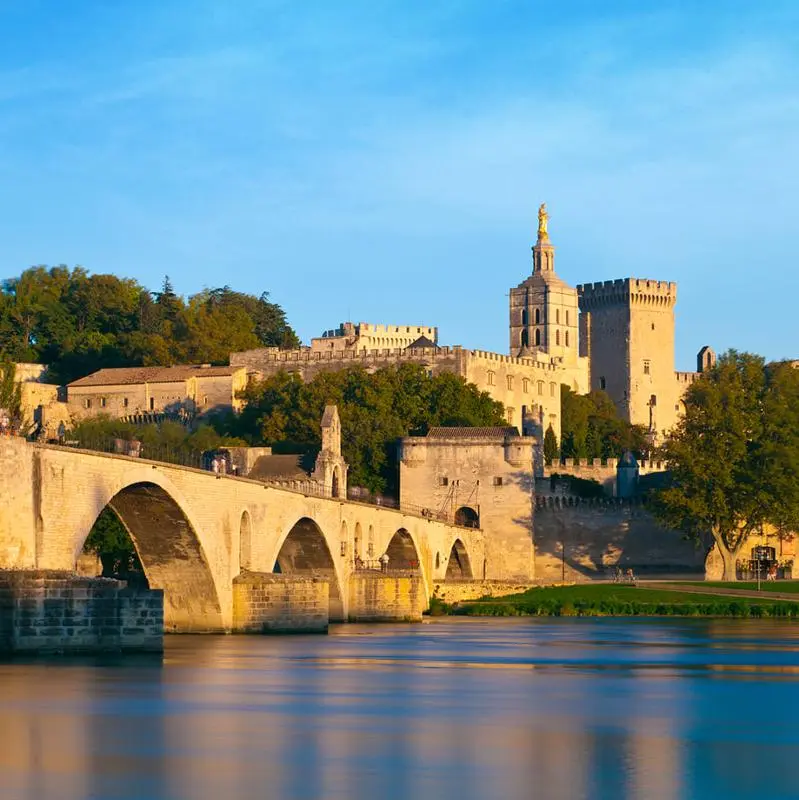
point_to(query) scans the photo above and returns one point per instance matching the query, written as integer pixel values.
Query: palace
(617, 336)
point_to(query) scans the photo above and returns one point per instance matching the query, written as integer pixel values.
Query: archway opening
(357, 542)
(401, 552)
(336, 482)
(109, 552)
(245, 541)
(459, 565)
(170, 554)
(467, 517)
(305, 553)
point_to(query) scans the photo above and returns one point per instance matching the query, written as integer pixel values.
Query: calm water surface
(452, 709)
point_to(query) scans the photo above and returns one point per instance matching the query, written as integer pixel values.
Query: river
(499, 708)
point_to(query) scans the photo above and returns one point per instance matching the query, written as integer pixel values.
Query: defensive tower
(627, 331)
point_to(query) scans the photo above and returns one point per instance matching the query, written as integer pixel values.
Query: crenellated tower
(627, 331)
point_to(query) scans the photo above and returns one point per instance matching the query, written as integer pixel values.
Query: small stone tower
(330, 469)
(705, 359)
(543, 309)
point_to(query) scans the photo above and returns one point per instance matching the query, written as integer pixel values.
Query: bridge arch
(459, 564)
(170, 552)
(304, 551)
(402, 552)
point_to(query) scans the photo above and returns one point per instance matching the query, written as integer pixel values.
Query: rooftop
(493, 434)
(118, 376)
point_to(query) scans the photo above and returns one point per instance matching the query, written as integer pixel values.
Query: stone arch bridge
(197, 533)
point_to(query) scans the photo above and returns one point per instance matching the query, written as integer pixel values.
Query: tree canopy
(78, 323)
(734, 456)
(375, 409)
(591, 427)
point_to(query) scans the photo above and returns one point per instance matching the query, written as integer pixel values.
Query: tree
(592, 428)
(734, 456)
(376, 410)
(551, 449)
(10, 390)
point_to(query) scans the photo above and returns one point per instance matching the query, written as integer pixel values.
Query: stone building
(365, 336)
(482, 477)
(128, 392)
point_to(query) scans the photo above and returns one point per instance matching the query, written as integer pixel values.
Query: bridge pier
(270, 603)
(387, 597)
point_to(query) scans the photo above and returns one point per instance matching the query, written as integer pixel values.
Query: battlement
(626, 291)
(375, 329)
(499, 358)
(687, 378)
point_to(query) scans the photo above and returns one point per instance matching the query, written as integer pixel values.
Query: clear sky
(383, 160)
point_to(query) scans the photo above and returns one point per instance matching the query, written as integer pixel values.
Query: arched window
(537, 337)
(525, 338)
(525, 317)
(510, 412)
(510, 381)
(567, 338)
(490, 377)
(525, 385)
(552, 389)
(557, 337)
(540, 387)
(538, 316)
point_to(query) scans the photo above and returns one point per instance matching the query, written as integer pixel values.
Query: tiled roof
(422, 341)
(131, 375)
(472, 433)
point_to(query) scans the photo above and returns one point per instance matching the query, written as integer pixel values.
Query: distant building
(364, 336)
(128, 392)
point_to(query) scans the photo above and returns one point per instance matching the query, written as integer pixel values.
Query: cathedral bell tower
(543, 309)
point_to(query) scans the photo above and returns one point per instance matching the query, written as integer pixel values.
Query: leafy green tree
(591, 427)
(551, 449)
(111, 542)
(734, 456)
(10, 390)
(78, 323)
(376, 410)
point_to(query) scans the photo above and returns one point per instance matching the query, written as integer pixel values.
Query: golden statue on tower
(543, 219)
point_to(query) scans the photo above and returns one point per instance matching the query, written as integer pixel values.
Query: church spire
(543, 251)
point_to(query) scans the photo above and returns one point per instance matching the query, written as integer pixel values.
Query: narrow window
(125, 402)
(525, 317)
(602, 384)
(102, 402)
(510, 381)
(557, 316)
(525, 385)
(490, 377)
(567, 316)
(443, 481)
(509, 412)
(646, 368)
(497, 481)
(87, 403)
(537, 337)
(538, 316)
(540, 387)
(525, 338)
(567, 338)
(152, 404)
(552, 389)
(653, 400)
(557, 337)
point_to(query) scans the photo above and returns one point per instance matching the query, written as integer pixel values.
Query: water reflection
(455, 709)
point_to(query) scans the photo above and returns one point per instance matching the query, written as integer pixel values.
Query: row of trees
(78, 323)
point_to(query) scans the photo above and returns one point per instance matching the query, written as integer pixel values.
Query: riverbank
(600, 600)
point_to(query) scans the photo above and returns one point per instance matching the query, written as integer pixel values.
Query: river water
(549, 708)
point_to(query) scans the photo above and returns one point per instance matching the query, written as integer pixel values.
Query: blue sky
(383, 161)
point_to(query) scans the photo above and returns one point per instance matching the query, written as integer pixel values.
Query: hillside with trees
(78, 323)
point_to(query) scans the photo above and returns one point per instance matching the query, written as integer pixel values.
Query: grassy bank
(601, 600)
